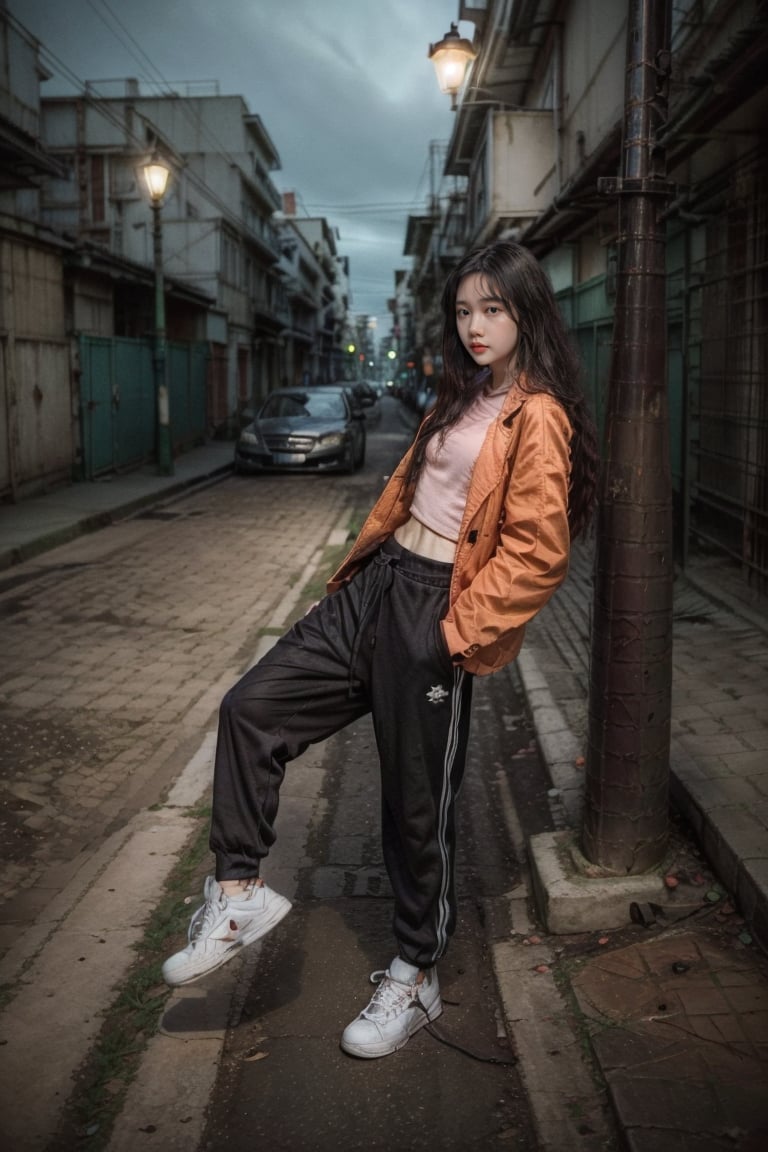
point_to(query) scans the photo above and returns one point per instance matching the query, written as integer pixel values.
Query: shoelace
(390, 996)
(206, 912)
(201, 920)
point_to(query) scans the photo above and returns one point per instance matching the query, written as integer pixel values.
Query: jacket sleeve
(531, 556)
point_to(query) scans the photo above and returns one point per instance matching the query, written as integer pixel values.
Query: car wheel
(348, 462)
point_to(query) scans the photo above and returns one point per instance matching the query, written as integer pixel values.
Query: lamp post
(450, 56)
(156, 175)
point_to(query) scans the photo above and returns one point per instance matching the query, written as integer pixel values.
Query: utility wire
(104, 109)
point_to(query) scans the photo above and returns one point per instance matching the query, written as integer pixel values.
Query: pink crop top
(441, 490)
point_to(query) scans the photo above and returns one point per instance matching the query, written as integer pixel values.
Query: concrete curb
(93, 521)
(555, 888)
(78, 959)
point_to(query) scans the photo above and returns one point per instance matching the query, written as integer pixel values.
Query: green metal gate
(187, 368)
(117, 401)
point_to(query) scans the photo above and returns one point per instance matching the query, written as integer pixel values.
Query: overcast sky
(344, 88)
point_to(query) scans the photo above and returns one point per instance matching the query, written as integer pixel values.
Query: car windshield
(329, 406)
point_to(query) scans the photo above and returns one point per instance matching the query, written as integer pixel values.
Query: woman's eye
(493, 309)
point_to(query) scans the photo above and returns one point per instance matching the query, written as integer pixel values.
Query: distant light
(391, 355)
(350, 348)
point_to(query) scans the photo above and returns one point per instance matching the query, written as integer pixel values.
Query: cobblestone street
(116, 649)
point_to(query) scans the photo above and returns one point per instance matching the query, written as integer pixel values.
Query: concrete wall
(593, 52)
(36, 414)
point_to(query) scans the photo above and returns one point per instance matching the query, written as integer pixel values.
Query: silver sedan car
(315, 429)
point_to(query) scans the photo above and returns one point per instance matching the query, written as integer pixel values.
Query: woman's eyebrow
(485, 300)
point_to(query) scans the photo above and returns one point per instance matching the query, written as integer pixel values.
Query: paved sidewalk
(676, 1013)
(41, 522)
(719, 751)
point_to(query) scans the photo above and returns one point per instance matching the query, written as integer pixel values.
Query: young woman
(468, 540)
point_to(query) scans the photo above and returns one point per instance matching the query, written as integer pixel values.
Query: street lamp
(450, 56)
(156, 175)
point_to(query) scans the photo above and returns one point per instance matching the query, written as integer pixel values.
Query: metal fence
(117, 401)
(727, 351)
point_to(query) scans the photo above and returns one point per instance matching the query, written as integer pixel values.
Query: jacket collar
(513, 402)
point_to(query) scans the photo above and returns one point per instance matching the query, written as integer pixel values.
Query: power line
(103, 107)
(391, 205)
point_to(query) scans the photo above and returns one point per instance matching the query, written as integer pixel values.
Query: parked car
(315, 429)
(366, 393)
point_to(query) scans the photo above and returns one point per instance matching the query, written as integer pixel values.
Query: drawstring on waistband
(386, 563)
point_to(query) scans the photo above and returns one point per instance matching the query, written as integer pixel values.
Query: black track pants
(373, 646)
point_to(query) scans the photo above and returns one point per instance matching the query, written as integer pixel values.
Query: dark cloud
(344, 88)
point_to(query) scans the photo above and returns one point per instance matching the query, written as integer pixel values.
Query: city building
(37, 427)
(217, 233)
(316, 279)
(537, 129)
(120, 305)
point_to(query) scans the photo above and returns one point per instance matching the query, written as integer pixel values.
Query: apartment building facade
(538, 125)
(79, 252)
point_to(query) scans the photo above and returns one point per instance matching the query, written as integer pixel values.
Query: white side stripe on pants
(446, 799)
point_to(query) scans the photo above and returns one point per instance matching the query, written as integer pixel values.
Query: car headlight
(249, 438)
(332, 440)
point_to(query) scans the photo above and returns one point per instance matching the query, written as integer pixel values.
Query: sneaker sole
(280, 908)
(374, 1051)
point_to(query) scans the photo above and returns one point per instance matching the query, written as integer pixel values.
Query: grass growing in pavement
(134, 1017)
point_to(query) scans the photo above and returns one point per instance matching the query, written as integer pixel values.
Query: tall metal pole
(626, 806)
(163, 446)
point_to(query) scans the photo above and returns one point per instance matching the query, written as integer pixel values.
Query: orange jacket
(513, 545)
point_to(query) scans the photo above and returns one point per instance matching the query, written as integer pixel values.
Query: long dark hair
(545, 361)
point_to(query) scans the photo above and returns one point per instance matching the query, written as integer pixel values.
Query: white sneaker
(399, 1007)
(222, 927)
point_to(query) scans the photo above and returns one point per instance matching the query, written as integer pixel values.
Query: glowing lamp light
(156, 176)
(450, 56)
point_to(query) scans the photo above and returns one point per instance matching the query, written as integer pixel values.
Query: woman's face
(486, 327)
